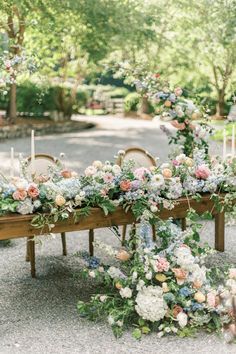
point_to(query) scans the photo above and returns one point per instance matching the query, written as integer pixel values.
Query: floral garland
(171, 106)
(163, 287)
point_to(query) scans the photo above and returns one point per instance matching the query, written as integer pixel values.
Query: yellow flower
(160, 277)
(60, 200)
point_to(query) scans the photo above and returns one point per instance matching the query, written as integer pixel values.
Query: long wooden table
(17, 226)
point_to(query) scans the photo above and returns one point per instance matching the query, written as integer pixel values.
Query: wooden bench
(17, 226)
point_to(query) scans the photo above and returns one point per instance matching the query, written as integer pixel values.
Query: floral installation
(161, 286)
(171, 105)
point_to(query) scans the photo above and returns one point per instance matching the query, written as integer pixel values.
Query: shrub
(131, 102)
(119, 92)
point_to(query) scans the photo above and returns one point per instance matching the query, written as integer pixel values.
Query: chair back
(42, 164)
(141, 157)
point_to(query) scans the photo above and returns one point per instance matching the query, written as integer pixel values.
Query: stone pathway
(39, 315)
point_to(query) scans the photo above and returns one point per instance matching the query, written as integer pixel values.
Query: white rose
(126, 292)
(153, 208)
(111, 320)
(92, 274)
(182, 319)
(97, 164)
(116, 169)
(103, 298)
(90, 171)
(148, 276)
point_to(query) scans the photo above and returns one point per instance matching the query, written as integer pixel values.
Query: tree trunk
(144, 106)
(12, 109)
(220, 106)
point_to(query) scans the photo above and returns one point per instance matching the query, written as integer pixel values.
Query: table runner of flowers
(161, 286)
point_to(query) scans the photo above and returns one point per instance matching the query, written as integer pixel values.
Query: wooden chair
(42, 164)
(141, 158)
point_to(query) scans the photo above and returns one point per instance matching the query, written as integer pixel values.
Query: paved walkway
(39, 315)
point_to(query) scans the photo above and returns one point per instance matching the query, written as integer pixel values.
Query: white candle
(32, 153)
(224, 144)
(233, 141)
(12, 163)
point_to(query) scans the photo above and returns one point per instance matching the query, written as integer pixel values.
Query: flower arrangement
(162, 287)
(170, 105)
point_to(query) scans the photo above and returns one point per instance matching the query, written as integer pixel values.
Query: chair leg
(27, 256)
(63, 240)
(31, 242)
(154, 235)
(183, 224)
(91, 240)
(124, 228)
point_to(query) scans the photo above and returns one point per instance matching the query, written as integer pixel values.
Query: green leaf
(137, 334)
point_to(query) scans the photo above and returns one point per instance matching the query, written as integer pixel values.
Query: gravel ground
(39, 315)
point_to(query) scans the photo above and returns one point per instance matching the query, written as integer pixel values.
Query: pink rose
(178, 91)
(211, 299)
(175, 163)
(202, 172)
(19, 194)
(180, 275)
(108, 178)
(140, 173)
(177, 125)
(162, 264)
(33, 191)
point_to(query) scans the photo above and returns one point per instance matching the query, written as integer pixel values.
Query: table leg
(183, 224)
(154, 235)
(124, 228)
(91, 240)
(63, 241)
(220, 231)
(32, 256)
(27, 257)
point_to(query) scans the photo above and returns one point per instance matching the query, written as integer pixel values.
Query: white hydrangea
(184, 257)
(115, 272)
(151, 305)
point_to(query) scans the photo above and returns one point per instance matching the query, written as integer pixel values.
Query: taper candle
(32, 153)
(12, 163)
(224, 144)
(233, 141)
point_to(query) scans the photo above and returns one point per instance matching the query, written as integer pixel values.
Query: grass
(219, 133)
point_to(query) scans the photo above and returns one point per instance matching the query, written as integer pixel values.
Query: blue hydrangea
(185, 291)
(195, 306)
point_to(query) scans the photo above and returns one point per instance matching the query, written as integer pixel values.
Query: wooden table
(17, 226)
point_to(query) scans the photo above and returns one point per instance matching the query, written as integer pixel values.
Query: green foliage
(131, 102)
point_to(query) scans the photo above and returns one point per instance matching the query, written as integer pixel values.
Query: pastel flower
(157, 181)
(182, 319)
(211, 299)
(126, 292)
(90, 171)
(125, 185)
(108, 178)
(202, 172)
(180, 275)
(66, 173)
(199, 297)
(168, 103)
(123, 255)
(160, 277)
(167, 173)
(165, 287)
(60, 200)
(232, 273)
(97, 164)
(116, 169)
(177, 125)
(33, 191)
(176, 310)
(140, 173)
(178, 91)
(19, 194)
(162, 264)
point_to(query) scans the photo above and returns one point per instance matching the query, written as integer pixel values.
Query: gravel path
(39, 315)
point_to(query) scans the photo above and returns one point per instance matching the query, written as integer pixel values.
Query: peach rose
(197, 284)
(19, 194)
(199, 297)
(33, 191)
(125, 185)
(167, 103)
(118, 286)
(189, 162)
(178, 91)
(176, 310)
(180, 275)
(66, 173)
(165, 287)
(123, 255)
(60, 200)
(41, 179)
(166, 173)
(202, 172)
